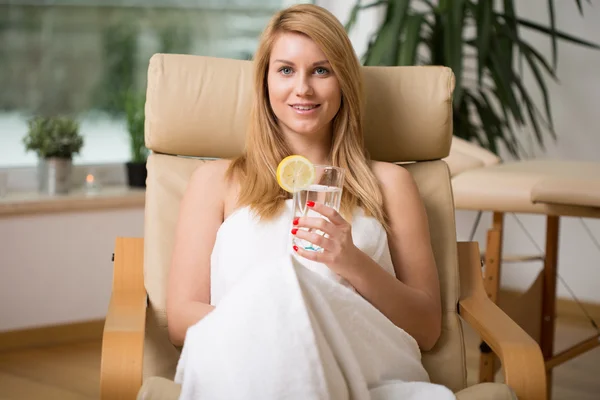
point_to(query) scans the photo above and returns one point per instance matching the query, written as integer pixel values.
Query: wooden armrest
(123, 338)
(521, 357)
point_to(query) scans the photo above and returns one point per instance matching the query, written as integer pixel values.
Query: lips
(304, 107)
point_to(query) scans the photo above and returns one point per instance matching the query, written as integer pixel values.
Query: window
(79, 57)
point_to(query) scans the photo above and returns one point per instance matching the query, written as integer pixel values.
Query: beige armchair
(197, 107)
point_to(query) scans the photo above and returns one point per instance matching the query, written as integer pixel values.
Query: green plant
(55, 136)
(485, 50)
(134, 112)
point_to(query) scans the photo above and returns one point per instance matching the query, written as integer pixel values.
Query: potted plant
(134, 112)
(481, 41)
(55, 139)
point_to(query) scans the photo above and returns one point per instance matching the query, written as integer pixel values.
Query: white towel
(289, 330)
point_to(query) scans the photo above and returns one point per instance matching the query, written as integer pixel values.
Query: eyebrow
(314, 64)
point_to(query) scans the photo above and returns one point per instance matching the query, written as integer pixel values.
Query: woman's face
(303, 91)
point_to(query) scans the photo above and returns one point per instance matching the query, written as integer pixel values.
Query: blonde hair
(265, 144)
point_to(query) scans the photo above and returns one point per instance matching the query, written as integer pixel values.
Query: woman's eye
(285, 70)
(321, 71)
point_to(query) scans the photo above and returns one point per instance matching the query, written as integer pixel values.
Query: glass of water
(326, 189)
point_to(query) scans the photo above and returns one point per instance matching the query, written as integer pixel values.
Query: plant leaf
(531, 111)
(509, 9)
(553, 32)
(507, 133)
(559, 34)
(353, 15)
(484, 27)
(502, 76)
(412, 37)
(453, 40)
(463, 126)
(524, 47)
(579, 6)
(384, 50)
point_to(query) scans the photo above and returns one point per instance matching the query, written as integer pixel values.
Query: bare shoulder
(209, 177)
(211, 169)
(392, 178)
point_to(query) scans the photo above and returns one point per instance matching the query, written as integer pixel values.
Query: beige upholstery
(550, 187)
(184, 108)
(581, 190)
(465, 156)
(165, 389)
(196, 107)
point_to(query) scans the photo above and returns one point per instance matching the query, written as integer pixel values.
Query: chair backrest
(197, 107)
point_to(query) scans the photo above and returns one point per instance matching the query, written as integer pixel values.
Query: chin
(307, 131)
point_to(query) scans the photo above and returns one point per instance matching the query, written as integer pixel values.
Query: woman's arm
(411, 300)
(200, 215)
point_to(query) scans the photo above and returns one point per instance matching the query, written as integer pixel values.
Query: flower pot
(54, 176)
(136, 174)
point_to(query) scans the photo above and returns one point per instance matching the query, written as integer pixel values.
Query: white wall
(57, 268)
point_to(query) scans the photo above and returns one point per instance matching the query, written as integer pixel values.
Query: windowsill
(112, 197)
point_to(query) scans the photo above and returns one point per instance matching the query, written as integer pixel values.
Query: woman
(272, 314)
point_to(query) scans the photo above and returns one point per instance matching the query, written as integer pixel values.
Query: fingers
(315, 223)
(316, 256)
(328, 212)
(313, 238)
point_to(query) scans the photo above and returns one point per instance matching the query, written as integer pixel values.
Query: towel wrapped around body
(288, 328)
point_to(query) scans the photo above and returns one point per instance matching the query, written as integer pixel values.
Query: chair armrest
(521, 357)
(123, 338)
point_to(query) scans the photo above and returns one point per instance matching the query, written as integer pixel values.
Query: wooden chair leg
(493, 259)
(549, 294)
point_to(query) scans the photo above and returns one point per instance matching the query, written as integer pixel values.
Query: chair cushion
(445, 363)
(465, 156)
(167, 180)
(157, 388)
(198, 106)
(487, 391)
(165, 389)
(531, 187)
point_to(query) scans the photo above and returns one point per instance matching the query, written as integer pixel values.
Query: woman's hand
(339, 251)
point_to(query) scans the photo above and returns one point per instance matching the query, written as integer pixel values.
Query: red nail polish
(295, 248)
(294, 231)
(296, 220)
(310, 203)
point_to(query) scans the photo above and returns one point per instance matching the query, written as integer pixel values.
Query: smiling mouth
(304, 107)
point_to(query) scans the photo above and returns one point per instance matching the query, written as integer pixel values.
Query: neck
(317, 148)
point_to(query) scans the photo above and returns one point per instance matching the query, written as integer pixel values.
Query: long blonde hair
(265, 144)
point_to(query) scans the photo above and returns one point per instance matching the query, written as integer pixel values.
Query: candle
(91, 184)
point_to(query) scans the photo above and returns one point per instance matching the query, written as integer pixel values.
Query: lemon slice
(295, 173)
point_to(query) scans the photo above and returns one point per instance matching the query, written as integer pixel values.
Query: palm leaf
(552, 31)
(531, 55)
(453, 40)
(559, 34)
(504, 125)
(484, 29)
(384, 50)
(531, 111)
(579, 6)
(499, 104)
(509, 9)
(412, 37)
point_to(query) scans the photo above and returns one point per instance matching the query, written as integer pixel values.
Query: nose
(303, 87)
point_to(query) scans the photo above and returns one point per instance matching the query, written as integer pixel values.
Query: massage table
(554, 188)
